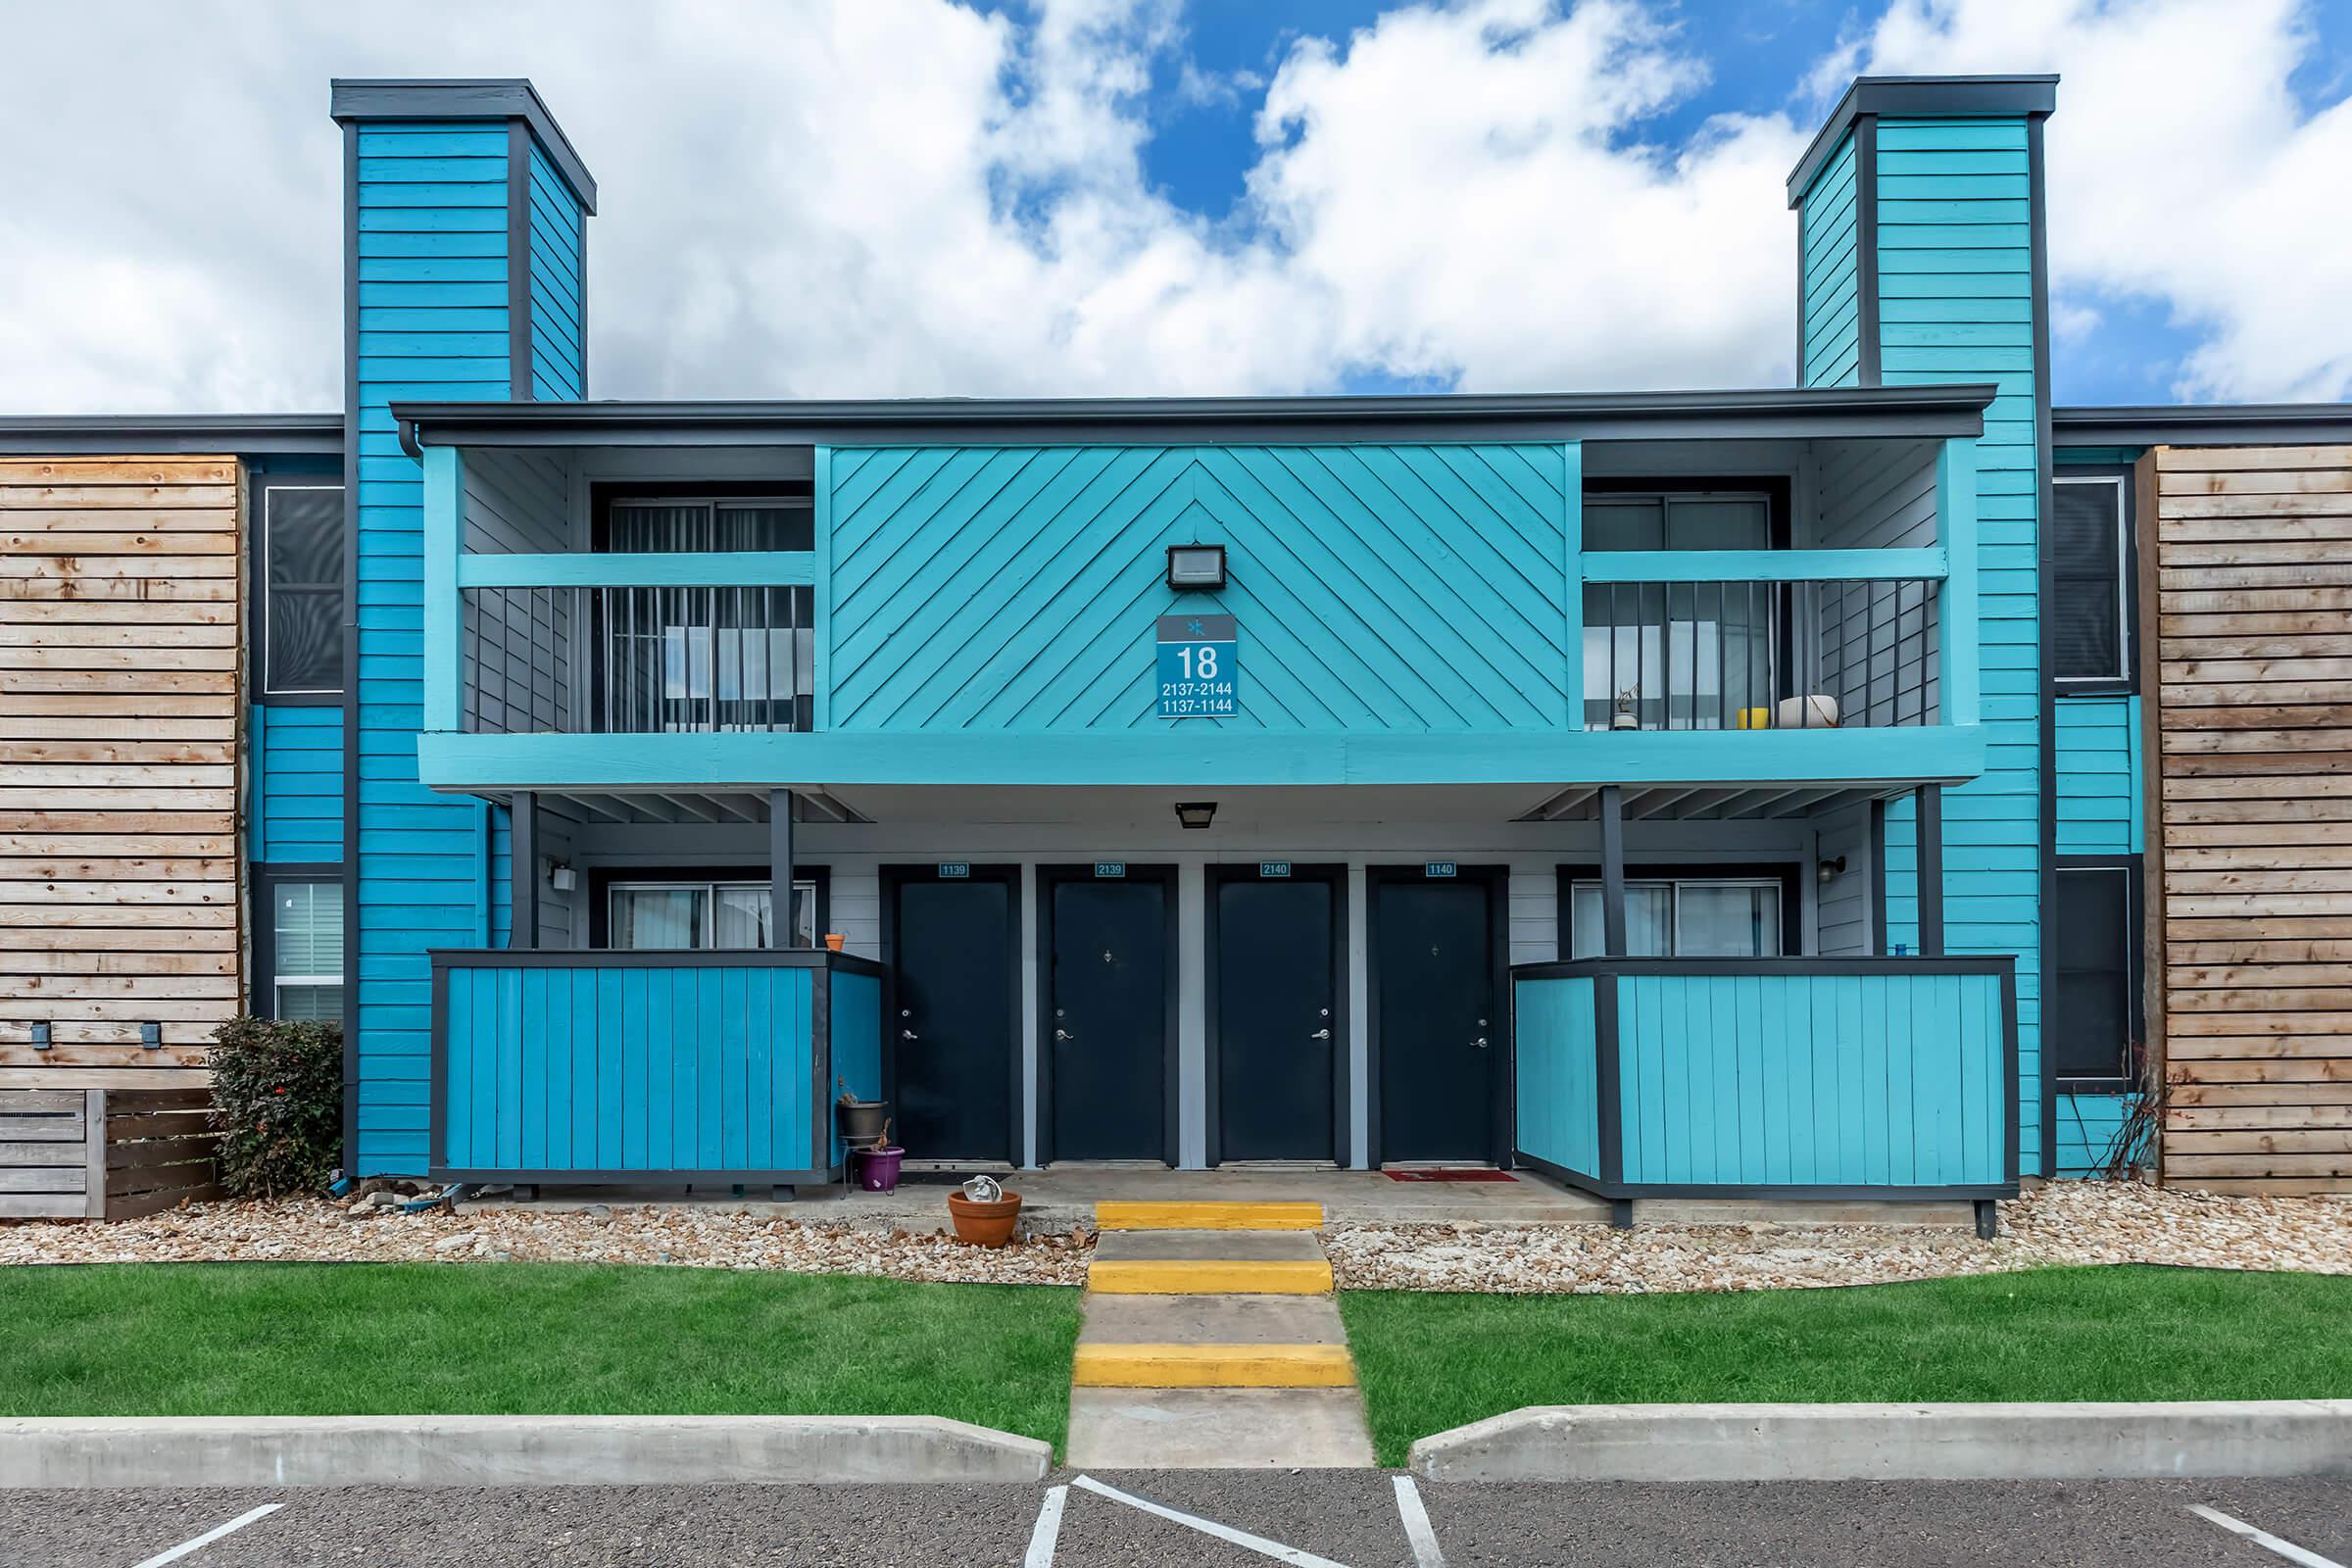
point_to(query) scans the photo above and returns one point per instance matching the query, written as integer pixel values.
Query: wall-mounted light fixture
(1196, 565)
(1195, 814)
(562, 877)
(1830, 870)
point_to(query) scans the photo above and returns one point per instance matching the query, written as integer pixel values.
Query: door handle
(1320, 1034)
(1063, 1034)
(1480, 1042)
(908, 1034)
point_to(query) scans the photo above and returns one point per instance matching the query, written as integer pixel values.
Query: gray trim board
(350, 440)
(289, 435)
(518, 262)
(2206, 425)
(1869, 321)
(1783, 411)
(1920, 97)
(478, 98)
(2037, 196)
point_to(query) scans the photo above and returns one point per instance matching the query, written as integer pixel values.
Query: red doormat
(1473, 1174)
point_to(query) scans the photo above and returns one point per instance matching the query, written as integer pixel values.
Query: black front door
(953, 955)
(1276, 1017)
(1107, 1018)
(1440, 1038)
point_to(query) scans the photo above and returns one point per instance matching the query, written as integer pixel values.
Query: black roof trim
(2205, 424)
(1941, 411)
(143, 434)
(1922, 97)
(484, 98)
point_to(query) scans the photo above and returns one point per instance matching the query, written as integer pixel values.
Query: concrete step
(1212, 1320)
(1217, 1429)
(1200, 1276)
(1207, 1216)
(1230, 1247)
(1213, 1367)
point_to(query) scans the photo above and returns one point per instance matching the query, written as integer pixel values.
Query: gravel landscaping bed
(2063, 1223)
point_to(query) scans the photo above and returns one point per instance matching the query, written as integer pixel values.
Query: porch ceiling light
(1196, 565)
(1195, 814)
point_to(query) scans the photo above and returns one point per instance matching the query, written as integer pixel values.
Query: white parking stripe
(1416, 1524)
(1041, 1540)
(2264, 1538)
(1209, 1527)
(211, 1536)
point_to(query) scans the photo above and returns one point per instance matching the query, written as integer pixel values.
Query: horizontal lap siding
(559, 286)
(432, 279)
(652, 1069)
(1956, 299)
(119, 715)
(1387, 588)
(297, 784)
(1553, 1052)
(2098, 775)
(1812, 1080)
(1828, 235)
(2088, 1126)
(2254, 723)
(1878, 640)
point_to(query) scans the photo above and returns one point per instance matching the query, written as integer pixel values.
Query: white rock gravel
(2062, 1223)
(2066, 1222)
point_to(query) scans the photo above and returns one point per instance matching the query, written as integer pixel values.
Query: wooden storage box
(104, 1153)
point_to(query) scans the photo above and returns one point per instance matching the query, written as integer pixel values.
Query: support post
(522, 870)
(1621, 1213)
(1612, 870)
(1989, 1218)
(779, 858)
(1931, 871)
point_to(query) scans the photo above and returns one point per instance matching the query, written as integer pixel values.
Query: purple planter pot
(878, 1168)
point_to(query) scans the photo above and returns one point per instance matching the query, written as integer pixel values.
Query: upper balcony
(1792, 601)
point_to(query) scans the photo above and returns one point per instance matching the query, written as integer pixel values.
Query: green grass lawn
(313, 1338)
(1429, 1362)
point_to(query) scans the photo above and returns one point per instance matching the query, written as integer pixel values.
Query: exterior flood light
(1196, 565)
(1830, 870)
(1195, 814)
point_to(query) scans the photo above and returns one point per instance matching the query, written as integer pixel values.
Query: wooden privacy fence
(104, 1153)
(2248, 552)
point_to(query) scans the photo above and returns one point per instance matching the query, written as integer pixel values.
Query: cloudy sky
(910, 197)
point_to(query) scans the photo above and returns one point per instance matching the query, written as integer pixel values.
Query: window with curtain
(2089, 618)
(1683, 917)
(306, 944)
(1678, 656)
(705, 659)
(302, 589)
(705, 914)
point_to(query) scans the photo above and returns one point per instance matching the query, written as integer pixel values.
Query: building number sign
(1196, 675)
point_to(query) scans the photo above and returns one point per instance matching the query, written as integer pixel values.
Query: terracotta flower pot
(984, 1224)
(834, 941)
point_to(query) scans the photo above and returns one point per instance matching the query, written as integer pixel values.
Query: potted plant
(878, 1166)
(984, 1212)
(864, 1122)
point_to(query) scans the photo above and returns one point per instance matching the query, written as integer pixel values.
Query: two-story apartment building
(1677, 792)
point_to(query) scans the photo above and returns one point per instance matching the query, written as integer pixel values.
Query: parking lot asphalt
(1355, 1518)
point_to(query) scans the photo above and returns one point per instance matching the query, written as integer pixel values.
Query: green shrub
(277, 1099)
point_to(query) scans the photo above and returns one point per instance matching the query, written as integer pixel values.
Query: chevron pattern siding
(1378, 588)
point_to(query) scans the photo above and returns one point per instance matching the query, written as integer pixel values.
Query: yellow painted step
(1190, 1276)
(1213, 1367)
(1208, 1216)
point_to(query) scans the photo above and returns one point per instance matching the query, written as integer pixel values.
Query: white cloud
(2182, 170)
(901, 197)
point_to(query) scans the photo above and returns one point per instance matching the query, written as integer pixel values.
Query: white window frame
(1673, 915)
(706, 939)
(279, 980)
(2123, 582)
(270, 491)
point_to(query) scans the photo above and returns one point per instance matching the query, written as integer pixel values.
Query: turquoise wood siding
(1955, 271)
(433, 282)
(297, 761)
(1558, 1100)
(1395, 588)
(1829, 229)
(559, 286)
(855, 1011)
(623, 1069)
(2088, 1126)
(2099, 798)
(1812, 1080)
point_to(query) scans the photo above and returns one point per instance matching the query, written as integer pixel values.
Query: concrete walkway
(1212, 1341)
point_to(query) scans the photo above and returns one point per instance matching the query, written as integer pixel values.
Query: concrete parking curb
(508, 1451)
(1896, 1443)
